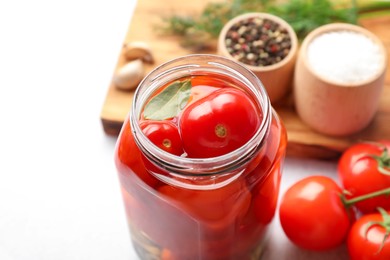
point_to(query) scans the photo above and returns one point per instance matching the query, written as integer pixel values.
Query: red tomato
(312, 214)
(128, 158)
(368, 241)
(207, 80)
(164, 134)
(218, 123)
(266, 199)
(200, 91)
(359, 174)
(223, 204)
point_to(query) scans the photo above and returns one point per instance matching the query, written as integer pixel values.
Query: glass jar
(200, 208)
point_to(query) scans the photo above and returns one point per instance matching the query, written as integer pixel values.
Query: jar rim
(201, 166)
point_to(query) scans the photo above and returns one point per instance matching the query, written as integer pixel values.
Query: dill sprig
(302, 15)
(305, 16)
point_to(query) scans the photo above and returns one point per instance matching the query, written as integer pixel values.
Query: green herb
(169, 102)
(303, 15)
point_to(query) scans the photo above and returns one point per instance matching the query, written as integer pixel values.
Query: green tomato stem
(350, 202)
(383, 162)
(385, 224)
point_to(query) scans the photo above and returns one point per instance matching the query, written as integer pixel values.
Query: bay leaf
(169, 102)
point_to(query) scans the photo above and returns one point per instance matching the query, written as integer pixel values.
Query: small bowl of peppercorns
(265, 44)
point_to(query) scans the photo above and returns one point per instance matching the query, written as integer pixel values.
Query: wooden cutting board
(302, 141)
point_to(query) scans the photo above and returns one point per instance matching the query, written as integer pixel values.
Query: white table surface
(59, 193)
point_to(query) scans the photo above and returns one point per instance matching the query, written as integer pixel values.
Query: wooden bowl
(276, 78)
(332, 107)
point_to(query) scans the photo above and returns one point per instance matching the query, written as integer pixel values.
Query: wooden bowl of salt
(339, 77)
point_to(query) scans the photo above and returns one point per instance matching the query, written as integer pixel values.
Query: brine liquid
(230, 222)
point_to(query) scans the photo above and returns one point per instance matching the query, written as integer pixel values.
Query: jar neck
(228, 164)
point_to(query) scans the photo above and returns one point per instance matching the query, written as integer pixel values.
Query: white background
(59, 193)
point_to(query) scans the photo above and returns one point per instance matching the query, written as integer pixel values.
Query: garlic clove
(138, 50)
(129, 75)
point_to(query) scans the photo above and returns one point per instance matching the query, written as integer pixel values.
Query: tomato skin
(359, 175)
(227, 203)
(366, 247)
(312, 214)
(201, 91)
(218, 123)
(164, 134)
(129, 158)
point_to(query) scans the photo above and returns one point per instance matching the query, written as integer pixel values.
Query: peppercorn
(258, 42)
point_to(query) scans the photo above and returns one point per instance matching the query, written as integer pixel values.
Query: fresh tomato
(164, 134)
(218, 123)
(365, 168)
(313, 215)
(369, 237)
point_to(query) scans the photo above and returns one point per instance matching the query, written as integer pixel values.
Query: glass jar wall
(202, 207)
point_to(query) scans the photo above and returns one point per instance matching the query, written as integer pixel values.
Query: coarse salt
(345, 57)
